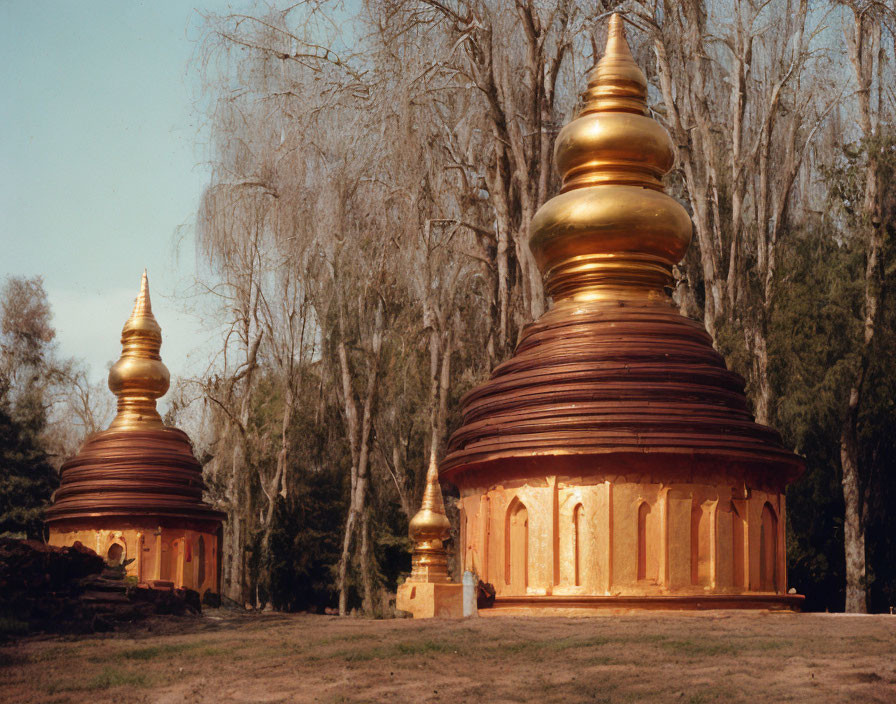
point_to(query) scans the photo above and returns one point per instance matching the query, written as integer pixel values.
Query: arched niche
(738, 552)
(768, 549)
(516, 547)
(700, 544)
(200, 554)
(578, 546)
(171, 560)
(115, 555)
(643, 541)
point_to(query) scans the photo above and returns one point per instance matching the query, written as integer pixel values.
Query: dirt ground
(624, 657)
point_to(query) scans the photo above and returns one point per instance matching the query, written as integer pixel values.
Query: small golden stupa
(429, 591)
(133, 492)
(613, 460)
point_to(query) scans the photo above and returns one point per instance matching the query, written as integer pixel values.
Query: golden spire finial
(138, 378)
(612, 233)
(616, 44)
(616, 83)
(142, 306)
(429, 529)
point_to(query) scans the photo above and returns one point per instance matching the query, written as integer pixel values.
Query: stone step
(104, 597)
(106, 585)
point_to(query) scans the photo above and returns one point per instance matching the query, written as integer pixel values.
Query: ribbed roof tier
(133, 473)
(596, 378)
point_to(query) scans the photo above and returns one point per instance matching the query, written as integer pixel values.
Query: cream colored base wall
(551, 537)
(429, 600)
(188, 558)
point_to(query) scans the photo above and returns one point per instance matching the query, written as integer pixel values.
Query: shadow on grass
(719, 647)
(12, 627)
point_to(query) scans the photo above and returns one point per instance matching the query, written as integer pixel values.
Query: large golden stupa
(133, 492)
(613, 460)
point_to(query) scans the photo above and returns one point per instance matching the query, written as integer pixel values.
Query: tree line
(363, 241)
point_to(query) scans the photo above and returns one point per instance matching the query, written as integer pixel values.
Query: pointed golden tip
(430, 521)
(432, 494)
(143, 306)
(616, 83)
(617, 46)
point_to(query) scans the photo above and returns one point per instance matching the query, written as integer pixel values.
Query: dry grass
(633, 657)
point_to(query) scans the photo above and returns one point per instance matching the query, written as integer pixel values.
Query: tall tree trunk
(367, 566)
(502, 260)
(763, 392)
(359, 434)
(235, 581)
(853, 520)
(275, 487)
(863, 59)
(688, 148)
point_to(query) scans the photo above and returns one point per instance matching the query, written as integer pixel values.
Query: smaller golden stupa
(429, 591)
(133, 492)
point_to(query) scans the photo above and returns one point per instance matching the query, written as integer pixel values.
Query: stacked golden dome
(612, 230)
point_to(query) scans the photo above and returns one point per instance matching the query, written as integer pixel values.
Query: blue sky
(101, 167)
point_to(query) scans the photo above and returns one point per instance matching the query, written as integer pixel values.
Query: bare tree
(79, 407)
(512, 55)
(873, 75)
(744, 98)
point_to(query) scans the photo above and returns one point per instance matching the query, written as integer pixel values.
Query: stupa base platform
(585, 605)
(431, 600)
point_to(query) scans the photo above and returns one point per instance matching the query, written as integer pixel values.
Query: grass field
(631, 657)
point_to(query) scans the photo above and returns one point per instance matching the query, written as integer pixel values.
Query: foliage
(27, 479)
(26, 371)
(305, 544)
(817, 329)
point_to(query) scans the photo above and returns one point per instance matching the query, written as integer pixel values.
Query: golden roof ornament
(622, 239)
(429, 529)
(139, 377)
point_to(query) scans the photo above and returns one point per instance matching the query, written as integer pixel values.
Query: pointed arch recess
(516, 547)
(578, 537)
(643, 519)
(738, 538)
(768, 549)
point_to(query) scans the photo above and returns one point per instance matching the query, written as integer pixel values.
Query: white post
(470, 584)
